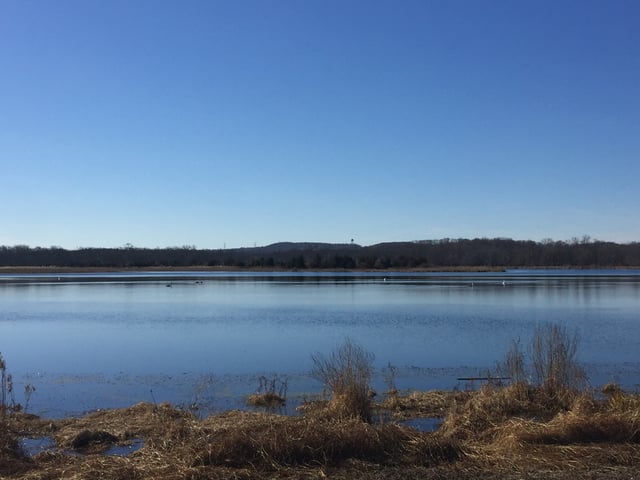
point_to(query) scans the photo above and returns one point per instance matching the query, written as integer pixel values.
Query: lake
(102, 340)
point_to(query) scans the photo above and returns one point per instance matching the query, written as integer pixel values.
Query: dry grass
(520, 430)
(229, 445)
(11, 459)
(268, 400)
(492, 405)
(161, 424)
(573, 429)
(501, 433)
(620, 401)
(432, 403)
(346, 373)
(273, 442)
(271, 394)
(553, 358)
(479, 413)
(552, 429)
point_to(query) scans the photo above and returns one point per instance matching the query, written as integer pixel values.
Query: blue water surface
(110, 339)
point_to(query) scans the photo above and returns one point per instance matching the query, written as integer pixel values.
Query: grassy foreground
(510, 432)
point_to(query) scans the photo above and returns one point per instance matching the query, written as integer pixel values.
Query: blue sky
(210, 123)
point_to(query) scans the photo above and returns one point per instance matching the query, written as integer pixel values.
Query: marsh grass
(475, 416)
(201, 402)
(11, 456)
(6, 388)
(271, 393)
(502, 431)
(541, 429)
(277, 441)
(8, 402)
(621, 402)
(524, 414)
(553, 358)
(551, 367)
(230, 445)
(346, 373)
(574, 428)
(392, 394)
(432, 404)
(514, 364)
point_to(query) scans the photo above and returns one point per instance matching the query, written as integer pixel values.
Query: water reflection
(246, 324)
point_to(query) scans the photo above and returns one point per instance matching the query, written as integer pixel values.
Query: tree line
(426, 254)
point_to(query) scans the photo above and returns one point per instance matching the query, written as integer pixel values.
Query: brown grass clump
(590, 421)
(622, 402)
(478, 414)
(553, 355)
(161, 425)
(570, 429)
(346, 373)
(271, 394)
(545, 461)
(270, 441)
(507, 431)
(432, 403)
(267, 400)
(552, 364)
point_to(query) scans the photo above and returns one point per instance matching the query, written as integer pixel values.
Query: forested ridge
(424, 254)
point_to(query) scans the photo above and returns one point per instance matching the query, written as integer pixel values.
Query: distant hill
(476, 253)
(305, 246)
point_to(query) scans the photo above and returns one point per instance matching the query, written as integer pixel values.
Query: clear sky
(211, 123)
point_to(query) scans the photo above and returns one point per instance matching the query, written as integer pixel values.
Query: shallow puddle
(124, 450)
(429, 424)
(33, 446)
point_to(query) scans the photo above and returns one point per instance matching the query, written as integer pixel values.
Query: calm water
(103, 340)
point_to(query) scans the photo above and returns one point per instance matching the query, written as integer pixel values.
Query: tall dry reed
(347, 374)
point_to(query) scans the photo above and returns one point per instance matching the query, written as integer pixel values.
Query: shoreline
(51, 269)
(497, 432)
(62, 395)
(20, 270)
